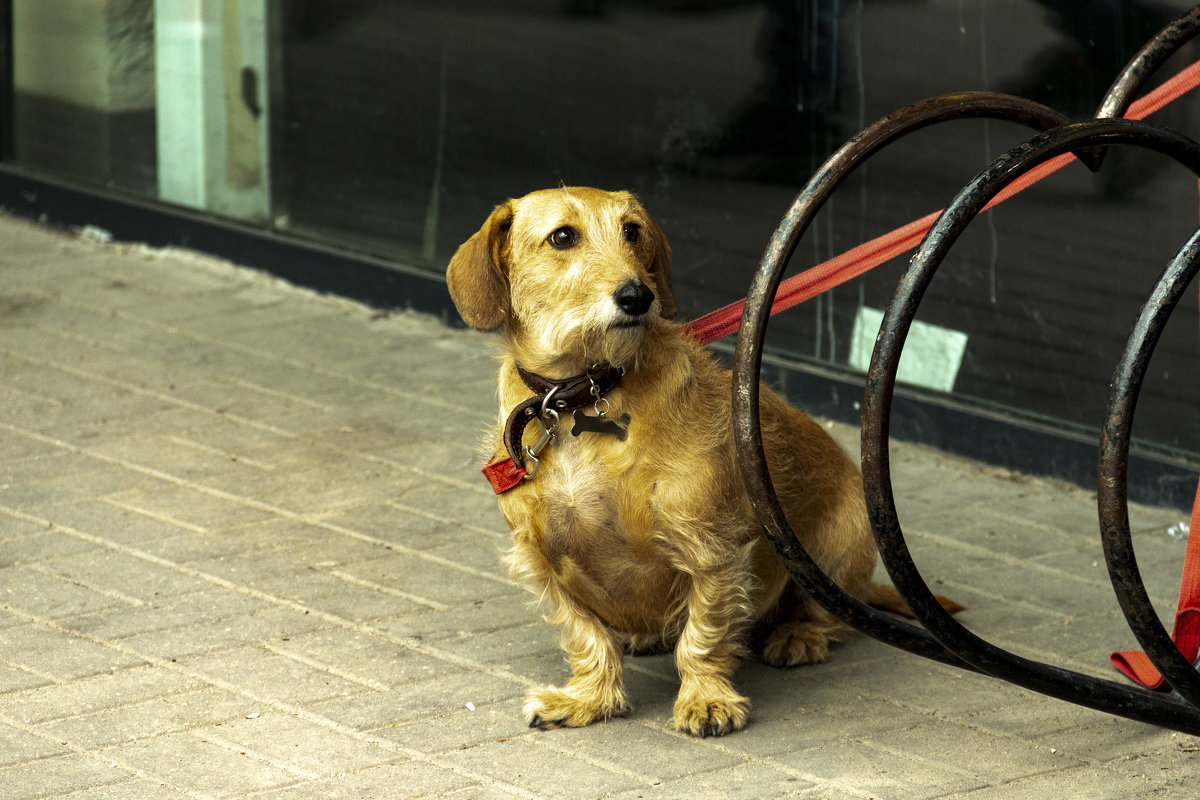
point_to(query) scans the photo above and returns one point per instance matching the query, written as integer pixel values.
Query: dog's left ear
(660, 268)
(475, 276)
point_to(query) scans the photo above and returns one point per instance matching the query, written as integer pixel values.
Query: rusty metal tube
(748, 352)
(1111, 494)
(1085, 690)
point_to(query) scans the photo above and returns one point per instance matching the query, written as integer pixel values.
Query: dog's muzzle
(634, 298)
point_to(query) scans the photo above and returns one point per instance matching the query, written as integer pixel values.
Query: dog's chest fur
(585, 529)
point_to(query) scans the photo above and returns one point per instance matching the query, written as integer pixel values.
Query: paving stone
(35, 542)
(185, 611)
(17, 746)
(93, 694)
(191, 547)
(143, 719)
(460, 728)
(1031, 717)
(978, 753)
(1084, 783)
(855, 766)
(656, 754)
(475, 510)
(59, 656)
(187, 760)
(310, 748)
(133, 787)
(14, 679)
(1157, 763)
(508, 645)
(59, 478)
(740, 782)
(1093, 738)
(282, 679)
(99, 522)
(219, 633)
(443, 692)
(123, 575)
(50, 596)
(375, 661)
(193, 508)
(423, 577)
(513, 609)
(393, 524)
(61, 775)
(400, 780)
(317, 490)
(544, 770)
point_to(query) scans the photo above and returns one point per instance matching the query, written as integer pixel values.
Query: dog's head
(575, 276)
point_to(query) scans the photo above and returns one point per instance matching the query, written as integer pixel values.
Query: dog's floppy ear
(478, 285)
(660, 268)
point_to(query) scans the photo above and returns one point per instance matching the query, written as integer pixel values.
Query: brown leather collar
(565, 395)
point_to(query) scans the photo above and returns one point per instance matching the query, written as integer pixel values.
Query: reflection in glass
(392, 127)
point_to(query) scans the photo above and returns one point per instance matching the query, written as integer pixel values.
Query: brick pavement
(245, 553)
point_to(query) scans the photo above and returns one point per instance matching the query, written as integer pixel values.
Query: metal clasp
(545, 437)
(594, 391)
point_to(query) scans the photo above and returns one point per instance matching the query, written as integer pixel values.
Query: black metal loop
(1085, 690)
(1112, 472)
(748, 354)
(1146, 62)
(943, 638)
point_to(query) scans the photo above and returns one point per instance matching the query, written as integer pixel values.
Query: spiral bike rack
(939, 636)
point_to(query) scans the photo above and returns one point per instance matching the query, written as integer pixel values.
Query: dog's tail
(886, 597)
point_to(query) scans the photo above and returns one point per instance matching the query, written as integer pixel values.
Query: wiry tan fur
(650, 542)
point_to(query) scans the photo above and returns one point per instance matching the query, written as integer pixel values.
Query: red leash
(1135, 664)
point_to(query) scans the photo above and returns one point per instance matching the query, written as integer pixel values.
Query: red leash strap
(503, 473)
(817, 280)
(1135, 664)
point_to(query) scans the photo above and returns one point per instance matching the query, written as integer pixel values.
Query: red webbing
(1135, 664)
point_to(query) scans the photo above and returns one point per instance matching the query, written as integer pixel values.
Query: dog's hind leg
(802, 631)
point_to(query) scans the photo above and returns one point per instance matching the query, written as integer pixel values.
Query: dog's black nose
(634, 298)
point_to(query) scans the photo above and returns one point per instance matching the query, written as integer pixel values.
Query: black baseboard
(1027, 446)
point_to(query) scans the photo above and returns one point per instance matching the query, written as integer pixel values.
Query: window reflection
(391, 127)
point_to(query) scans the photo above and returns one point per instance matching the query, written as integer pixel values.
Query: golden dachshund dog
(633, 526)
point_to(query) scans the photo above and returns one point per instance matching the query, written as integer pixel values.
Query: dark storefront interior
(387, 130)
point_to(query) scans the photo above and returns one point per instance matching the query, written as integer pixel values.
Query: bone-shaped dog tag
(599, 424)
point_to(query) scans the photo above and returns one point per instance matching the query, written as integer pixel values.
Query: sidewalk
(245, 552)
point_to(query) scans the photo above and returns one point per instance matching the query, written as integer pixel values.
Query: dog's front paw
(794, 643)
(705, 717)
(552, 707)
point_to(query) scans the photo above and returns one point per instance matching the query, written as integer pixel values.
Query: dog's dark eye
(563, 238)
(631, 231)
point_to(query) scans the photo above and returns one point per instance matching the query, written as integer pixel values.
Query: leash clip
(545, 438)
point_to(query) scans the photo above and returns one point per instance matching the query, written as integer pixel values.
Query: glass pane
(83, 100)
(392, 127)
